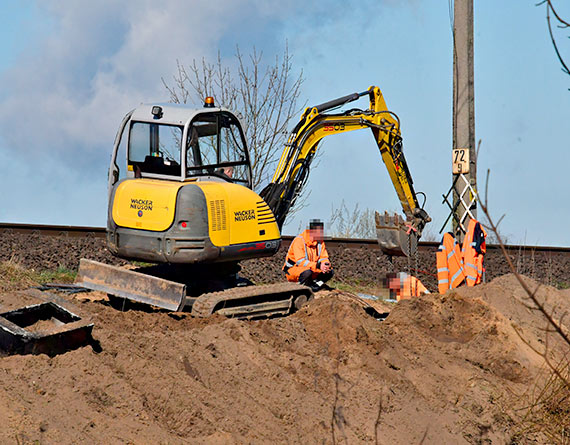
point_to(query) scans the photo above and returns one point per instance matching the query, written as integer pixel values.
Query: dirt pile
(442, 369)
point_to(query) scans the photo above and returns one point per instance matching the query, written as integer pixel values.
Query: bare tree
(263, 96)
(561, 24)
(355, 223)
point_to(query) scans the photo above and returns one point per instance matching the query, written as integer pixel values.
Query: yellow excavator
(185, 203)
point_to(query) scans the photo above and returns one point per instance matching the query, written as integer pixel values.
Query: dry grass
(545, 409)
(16, 277)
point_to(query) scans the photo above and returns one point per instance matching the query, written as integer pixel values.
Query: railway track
(350, 243)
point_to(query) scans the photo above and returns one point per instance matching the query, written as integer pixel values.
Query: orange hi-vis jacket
(474, 249)
(411, 287)
(304, 253)
(449, 260)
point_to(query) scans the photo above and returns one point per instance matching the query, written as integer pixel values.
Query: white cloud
(90, 64)
(100, 59)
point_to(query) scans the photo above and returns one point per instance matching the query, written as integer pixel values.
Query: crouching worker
(307, 260)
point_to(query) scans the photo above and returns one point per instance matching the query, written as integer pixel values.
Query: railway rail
(350, 243)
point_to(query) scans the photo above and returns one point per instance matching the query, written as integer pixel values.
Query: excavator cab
(209, 144)
(186, 197)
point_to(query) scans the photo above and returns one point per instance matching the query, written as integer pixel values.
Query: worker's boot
(317, 285)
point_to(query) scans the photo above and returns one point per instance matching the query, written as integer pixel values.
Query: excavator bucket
(395, 237)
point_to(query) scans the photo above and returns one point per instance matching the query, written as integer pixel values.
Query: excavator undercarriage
(200, 292)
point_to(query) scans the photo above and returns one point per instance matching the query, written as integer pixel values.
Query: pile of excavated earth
(464, 367)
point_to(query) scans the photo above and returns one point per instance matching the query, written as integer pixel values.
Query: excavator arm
(395, 235)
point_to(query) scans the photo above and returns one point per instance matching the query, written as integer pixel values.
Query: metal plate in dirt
(52, 326)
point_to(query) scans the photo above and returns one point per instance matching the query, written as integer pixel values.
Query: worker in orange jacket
(307, 260)
(450, 274)
(403, 286)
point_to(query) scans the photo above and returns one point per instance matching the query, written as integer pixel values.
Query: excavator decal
(244, 215)
(141, 204)
(335, 127)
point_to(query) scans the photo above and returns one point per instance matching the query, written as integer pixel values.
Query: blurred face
(317, 233)
(394, 283)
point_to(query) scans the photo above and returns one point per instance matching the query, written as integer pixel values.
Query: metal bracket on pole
(468, 203)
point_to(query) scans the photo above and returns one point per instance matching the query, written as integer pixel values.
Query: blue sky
(70, 70)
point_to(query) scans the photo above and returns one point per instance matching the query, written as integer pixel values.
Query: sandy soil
(451, 369)
(440, 369)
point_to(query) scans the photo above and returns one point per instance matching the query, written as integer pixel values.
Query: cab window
(155, 148)
(215, 146)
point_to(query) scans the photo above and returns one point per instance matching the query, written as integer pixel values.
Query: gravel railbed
(353, 266)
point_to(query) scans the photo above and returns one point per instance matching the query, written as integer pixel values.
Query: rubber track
(206, 303)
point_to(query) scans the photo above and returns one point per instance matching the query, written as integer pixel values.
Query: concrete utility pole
(464, 152)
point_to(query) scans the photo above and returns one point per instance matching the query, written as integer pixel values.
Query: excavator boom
(396, 236)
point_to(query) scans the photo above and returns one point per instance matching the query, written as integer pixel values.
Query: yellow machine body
(185, 199)
(191, 221)
(237, 215)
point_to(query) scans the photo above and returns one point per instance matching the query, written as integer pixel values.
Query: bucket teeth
(395, 236)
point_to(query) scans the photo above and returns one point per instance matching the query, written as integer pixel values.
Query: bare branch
(561, 24)
(263, 95)
(552, 397)
(352, 224)
(378, 417)
(564, 67)
(532, 295)
(566, 24)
